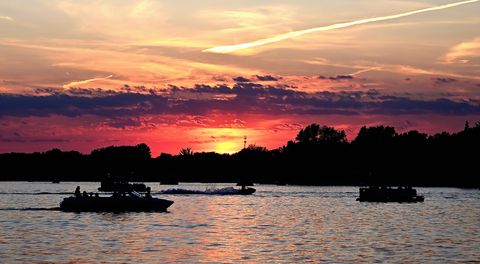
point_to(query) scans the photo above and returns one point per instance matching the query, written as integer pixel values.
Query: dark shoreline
(234, 183)
(319, 156)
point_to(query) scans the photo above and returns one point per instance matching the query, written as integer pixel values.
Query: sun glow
(222, 140)
(227, 147)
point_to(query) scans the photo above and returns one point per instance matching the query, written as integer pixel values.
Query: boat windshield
(135, 194)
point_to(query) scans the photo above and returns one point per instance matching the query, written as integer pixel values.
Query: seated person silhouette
(148, 195)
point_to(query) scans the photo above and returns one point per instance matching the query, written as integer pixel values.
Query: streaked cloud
(78, 83)
(261, 42)
(394, 68)
(257, 19)
(6, 18)
(129, 20)
(464, 52)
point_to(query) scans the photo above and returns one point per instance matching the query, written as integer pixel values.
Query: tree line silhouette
(319, 155)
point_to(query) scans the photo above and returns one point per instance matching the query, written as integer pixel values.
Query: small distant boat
(134, 202)
(55, 181)
(244, 190)
(169, 182)
(389, 194)
(121, 186)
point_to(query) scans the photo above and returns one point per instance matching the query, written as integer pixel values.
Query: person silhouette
(148, 195)
(77, 192)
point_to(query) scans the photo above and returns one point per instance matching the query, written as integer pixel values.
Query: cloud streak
(6, 18)
(261, 42)
(77, 83)
(463, 52)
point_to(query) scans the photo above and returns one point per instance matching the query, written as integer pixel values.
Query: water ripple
(281, 224)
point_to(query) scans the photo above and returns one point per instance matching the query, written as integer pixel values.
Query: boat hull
(114, 204)
(388, 194)
(246, 191)
(415, 199)
(125, 187)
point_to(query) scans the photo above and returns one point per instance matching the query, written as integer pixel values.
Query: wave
(221, 191)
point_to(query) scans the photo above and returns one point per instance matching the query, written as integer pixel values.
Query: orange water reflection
(277, 224)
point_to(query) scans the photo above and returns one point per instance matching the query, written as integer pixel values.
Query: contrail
(6, 18)
(73, 84)
(232, 48)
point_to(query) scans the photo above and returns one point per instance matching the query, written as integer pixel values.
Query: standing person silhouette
(77, 192)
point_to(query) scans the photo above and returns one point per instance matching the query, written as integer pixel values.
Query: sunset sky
(203, 74)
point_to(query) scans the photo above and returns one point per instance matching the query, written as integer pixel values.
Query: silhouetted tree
(144, 150)
(320, 155)
(322, 134)
(413, 138)
(186, 152)
(376, 135)
(252, 148)
(165, 156)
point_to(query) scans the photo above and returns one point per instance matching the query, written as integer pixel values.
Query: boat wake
(208, 191)
(31, 209)
(37, 193)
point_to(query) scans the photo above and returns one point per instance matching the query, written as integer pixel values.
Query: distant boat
(134, 202)
(244, 190)
(169, 182)
(121, 186)
(55, 181)
(389, 194)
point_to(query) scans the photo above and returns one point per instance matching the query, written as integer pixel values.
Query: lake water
(288, 224)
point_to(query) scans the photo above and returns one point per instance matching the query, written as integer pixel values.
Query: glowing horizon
(81, 75)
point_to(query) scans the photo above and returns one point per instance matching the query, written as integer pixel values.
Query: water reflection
(278, 224)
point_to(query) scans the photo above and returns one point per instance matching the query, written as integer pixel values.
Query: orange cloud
(463, 52)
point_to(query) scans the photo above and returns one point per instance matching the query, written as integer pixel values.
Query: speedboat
(389, 194)
(133, 202)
